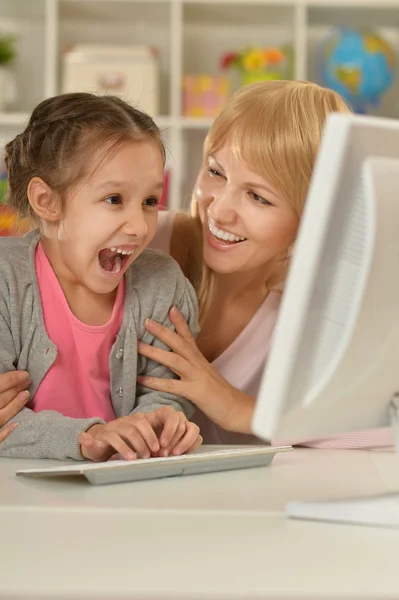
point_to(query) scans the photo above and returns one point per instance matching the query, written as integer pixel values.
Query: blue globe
(359, 65)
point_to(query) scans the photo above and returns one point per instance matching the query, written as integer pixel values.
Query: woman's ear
(45, 203)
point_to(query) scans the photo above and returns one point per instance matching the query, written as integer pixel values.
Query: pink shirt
(242, 364)
(78, 383)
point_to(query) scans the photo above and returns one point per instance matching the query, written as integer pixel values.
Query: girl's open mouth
(113, 260)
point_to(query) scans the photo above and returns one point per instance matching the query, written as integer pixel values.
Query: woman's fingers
(172, 361)
(181, 325)
(7, 430)
(170, 386)
(11, 384)
(170, 338)
(14, 405)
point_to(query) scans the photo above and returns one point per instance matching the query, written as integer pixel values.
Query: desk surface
(213, 536)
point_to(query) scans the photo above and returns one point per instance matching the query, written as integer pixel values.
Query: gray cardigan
(153, 284)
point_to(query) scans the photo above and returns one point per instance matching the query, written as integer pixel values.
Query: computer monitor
(334, 360)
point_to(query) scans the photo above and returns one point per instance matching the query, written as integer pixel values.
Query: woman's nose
(223, 208)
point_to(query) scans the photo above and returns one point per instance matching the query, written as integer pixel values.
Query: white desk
(210, 537)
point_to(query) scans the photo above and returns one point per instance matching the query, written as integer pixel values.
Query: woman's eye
(152, 202)
(259, 200)
(214, 172)
(114, 200)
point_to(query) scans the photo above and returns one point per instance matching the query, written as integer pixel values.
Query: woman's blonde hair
(274, 128)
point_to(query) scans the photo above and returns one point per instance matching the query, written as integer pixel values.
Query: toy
(359, 65)
(204, 95)
(260, 64)
(10, 223)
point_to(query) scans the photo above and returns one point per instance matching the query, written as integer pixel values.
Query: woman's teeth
(224, 235)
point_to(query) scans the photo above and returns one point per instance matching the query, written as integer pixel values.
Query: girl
(235, 248)
(76, 291)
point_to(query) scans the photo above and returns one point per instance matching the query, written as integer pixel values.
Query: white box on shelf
(130, 72)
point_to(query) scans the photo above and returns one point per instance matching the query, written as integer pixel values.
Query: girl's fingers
(196, 445)
(148, 434)
(113, 439)
(171, 424)
(132, 436)
(178, 435)
(191, 440)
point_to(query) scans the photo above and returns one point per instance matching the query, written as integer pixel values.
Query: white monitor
(334, 361)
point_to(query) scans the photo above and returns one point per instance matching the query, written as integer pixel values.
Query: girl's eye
(259, 200)
(114, 200)
(152, 202)
(214, 172)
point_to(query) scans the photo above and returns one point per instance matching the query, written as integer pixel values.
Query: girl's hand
(199, 382)
(13, 394)
(177, 435)
(154, 433)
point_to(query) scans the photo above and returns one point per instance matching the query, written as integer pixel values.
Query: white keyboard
(118, 471)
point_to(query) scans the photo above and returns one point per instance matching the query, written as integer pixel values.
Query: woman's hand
(7, 430)
(199, 382)
(13, 394)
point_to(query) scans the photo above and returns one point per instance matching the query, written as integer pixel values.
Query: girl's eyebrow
(119, 184)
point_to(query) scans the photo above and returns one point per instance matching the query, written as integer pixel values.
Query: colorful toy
(204, 95)
(359, 65)
(10, 223)
(260, 64)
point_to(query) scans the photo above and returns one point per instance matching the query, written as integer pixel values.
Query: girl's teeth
(123, 252)
(117, 264)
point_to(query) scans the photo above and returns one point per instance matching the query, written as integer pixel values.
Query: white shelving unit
(190, 35)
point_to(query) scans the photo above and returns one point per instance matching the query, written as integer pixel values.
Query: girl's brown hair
(274, 128)
(63, 139)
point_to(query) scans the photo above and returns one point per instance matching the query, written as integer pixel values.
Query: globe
(359, 65)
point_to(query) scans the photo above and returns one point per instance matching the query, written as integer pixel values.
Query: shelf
(114, 11)
(223, 15)
(190, 36)
(350, 16)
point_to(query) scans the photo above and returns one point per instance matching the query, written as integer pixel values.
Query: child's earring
(44, 202)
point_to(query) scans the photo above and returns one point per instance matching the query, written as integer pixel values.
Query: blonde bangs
(274, 128)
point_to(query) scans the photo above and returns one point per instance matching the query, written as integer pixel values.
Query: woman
(235, 249)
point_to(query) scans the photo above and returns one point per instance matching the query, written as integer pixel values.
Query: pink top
(242, 365)
(78, 383)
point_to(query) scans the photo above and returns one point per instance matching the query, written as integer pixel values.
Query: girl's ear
(44, 201)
